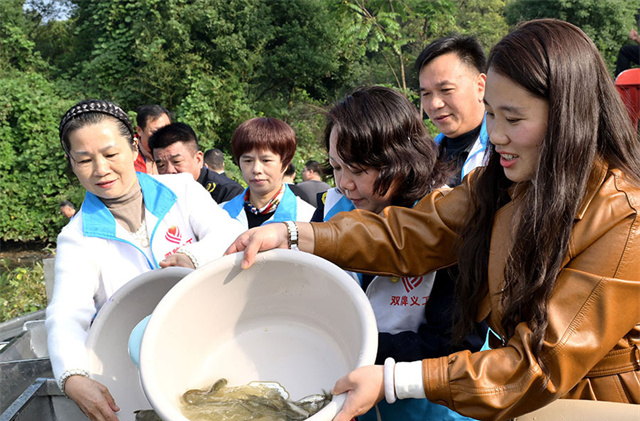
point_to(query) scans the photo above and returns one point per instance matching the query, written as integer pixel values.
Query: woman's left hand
(177, 259)
(364, 387)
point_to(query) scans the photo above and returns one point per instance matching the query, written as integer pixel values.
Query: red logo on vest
(411, 282)
(173, 235)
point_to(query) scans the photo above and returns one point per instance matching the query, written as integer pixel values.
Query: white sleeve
(212, 225)
(408, 380)
(72, 306)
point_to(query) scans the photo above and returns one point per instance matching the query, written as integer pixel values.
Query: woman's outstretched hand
(92, 397)
(265, 237)
(364, 387)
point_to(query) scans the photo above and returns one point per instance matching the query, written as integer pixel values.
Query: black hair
(172, 133)
(467, 48)
(150, 112)
(214, 158)
(67, 203)
(291, 169)
(314, 166)
(93, 111)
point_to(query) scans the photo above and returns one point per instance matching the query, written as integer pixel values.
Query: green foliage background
(216, 63)
(22, 290)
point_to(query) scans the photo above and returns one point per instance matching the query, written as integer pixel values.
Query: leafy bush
(606, 22)
(32, 164)
(22, 290)
(216, 64)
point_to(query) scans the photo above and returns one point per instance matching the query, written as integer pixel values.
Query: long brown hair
(587, 122)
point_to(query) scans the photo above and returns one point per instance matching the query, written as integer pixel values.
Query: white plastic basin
(109, 336)
(293, 318)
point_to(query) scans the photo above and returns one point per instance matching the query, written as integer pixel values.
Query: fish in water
(314, 403)
(265, 401)
(194, 396)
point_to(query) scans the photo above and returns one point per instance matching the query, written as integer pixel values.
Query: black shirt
(456, 150)
(254, 220)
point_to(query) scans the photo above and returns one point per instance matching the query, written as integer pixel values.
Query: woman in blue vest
(129, 223)
(263, 149)
(382, 155)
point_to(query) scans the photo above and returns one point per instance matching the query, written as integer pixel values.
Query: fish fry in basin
(264, 401)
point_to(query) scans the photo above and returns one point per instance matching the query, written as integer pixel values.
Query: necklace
(141, 237)
(269, 207)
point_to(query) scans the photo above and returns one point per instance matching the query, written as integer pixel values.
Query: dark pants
(628, 54)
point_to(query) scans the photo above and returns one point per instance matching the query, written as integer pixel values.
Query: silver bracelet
(190, 255)
(292, 230)
(389, 380)
(68, 373)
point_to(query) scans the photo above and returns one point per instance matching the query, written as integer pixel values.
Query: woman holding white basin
(129, 223)
(382, 155)
(547, 238)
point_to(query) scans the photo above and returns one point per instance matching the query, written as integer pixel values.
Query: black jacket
(221, 187)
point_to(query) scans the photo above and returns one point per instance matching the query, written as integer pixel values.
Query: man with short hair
(175, 150)
(67, 209)
(289, 179)
(452, 82)
(290, 174)
(214, 160)
(149, 119)
(312, 185)
(312, 171)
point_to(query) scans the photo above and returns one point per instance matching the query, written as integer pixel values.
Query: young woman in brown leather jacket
(546, 236)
